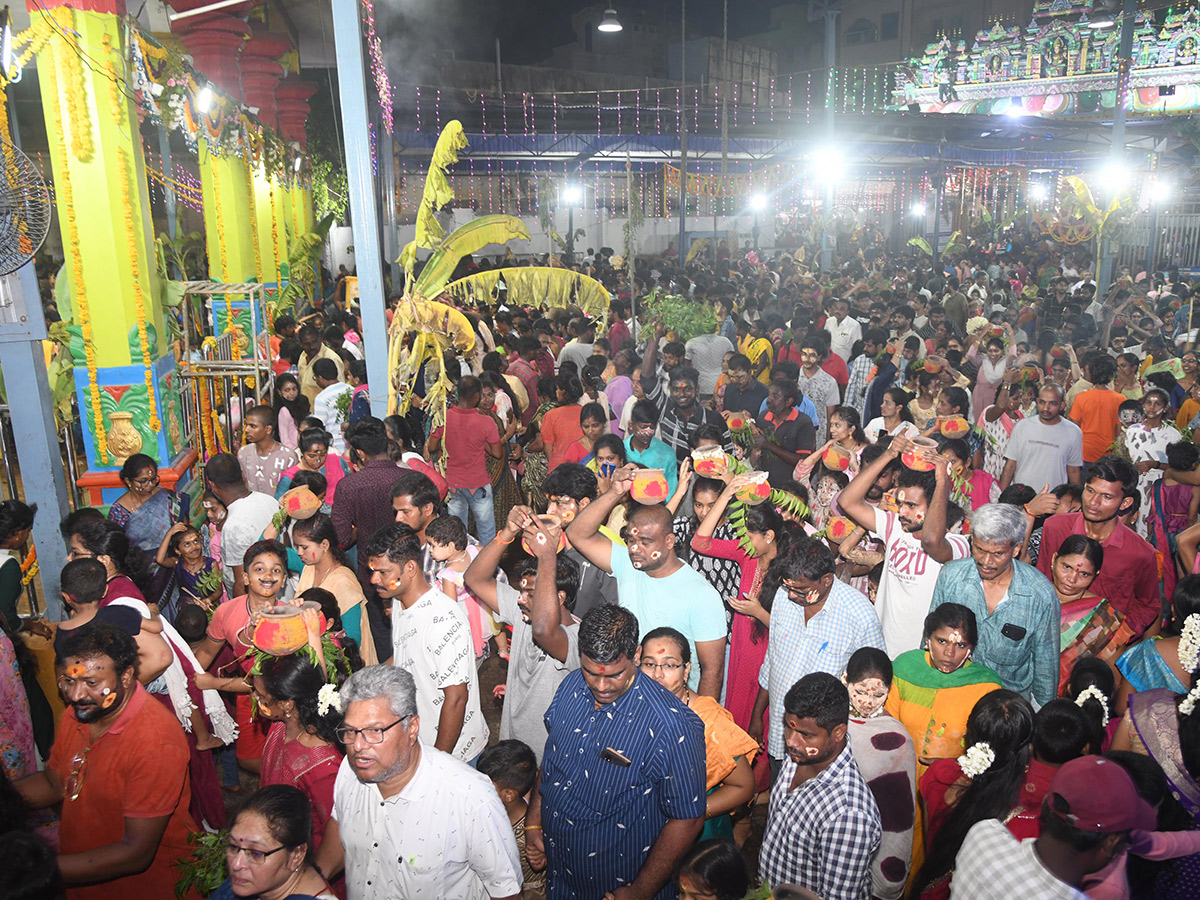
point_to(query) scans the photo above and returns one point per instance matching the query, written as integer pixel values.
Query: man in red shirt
(119, 767)
(522, 368)
(834, 365)
(1129, 576)
(466, 437)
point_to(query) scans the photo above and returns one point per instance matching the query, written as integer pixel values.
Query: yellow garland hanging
(249, 157)
(66, 208)
(71, 82)
(4, 109)
(275, 238)
(29, 566)
(127, 201)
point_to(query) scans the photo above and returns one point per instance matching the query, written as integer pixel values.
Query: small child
(198, 576)
(448, 545)
(715, 868)
(513, 769)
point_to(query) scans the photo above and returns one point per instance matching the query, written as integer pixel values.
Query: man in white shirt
(843, 329)
(1044, 450)
(431, 639)
(247, 514)
(328, 406)
(408, 820)
(706, 353)
(915, 539)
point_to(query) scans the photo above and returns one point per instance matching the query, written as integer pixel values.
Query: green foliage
(300, 271)
(206, 869)
(327, 159)
(680, 314)
(61, 375)
(789, 503)
(634, 223)
(344, 399)
(185, 254)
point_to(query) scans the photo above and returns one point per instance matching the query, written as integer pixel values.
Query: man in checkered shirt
(823, 826)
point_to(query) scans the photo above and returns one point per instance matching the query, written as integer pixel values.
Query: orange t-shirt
(1095, 412)
(138, 769)
(560, 429)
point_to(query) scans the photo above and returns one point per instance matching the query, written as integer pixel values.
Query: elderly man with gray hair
(1015, 605)
(410, 821)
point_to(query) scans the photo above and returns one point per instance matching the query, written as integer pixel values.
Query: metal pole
(499, 74)
(683, 125)
(829, 239)
(937, 205)
(1108, 250)
(570, 234)
(352, 90)
(756, 231)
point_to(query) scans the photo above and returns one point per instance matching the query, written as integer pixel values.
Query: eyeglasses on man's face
(371, 734)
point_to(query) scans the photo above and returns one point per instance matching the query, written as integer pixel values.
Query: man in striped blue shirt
(622, 792)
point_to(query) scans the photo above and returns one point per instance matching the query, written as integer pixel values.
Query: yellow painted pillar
(124, 370)
(228, 217)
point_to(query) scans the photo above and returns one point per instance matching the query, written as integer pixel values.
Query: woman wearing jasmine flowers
(301, 749)
(983, 783)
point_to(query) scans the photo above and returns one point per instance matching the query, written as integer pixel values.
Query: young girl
(291, 408)
(233, 624)
(770, 539)
(198, 576)
(713, 870)
(594, 423)
(971, 487)
(1093, 687)
(448, 544)
(845, 433)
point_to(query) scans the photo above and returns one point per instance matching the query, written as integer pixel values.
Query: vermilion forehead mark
(603, 669)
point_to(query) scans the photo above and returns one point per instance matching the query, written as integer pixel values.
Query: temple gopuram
(1060, 63)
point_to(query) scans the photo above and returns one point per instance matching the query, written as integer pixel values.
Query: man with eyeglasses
(817, 622)
(119, 768)
(408, 820)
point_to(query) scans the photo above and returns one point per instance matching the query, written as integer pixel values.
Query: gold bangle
(533, 827)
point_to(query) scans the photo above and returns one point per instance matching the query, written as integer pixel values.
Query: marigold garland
(29, 566)
(66, 208)
(71, 82)
(275, 237)
(4, 133)
(249, 158)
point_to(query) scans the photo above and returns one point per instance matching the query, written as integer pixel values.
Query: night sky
(530, 29)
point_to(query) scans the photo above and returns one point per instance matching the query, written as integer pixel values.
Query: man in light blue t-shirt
(652, 582)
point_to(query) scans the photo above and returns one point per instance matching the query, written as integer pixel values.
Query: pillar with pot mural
(124, 371)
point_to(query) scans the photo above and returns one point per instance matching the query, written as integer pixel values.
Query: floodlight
(571, 194)
(610, 23)
(204, 99)
(758, 202)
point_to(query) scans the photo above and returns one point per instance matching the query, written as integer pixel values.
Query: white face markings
(901, 496)
(811, 751)
(655, 556)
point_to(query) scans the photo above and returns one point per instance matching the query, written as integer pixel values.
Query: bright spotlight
(1114, 175)
(610, 22)
(204, 99)
(918, 208)
(758, 202)
(1162, 191)
(571, 194)
(1015, 109)
(1038, 191)
(297, 164)
(828, 163)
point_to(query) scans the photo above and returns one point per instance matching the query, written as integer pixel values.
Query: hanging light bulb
(610, 23)
(204, 99)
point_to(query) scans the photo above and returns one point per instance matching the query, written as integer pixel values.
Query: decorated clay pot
(736, 422)
(917, 459)
(282, 630)
(123, 439)
(836, 458)
(756, 491)
(955, 427)
(712, 462)
(548, 520)
(839, 528)
(649, 487)
(932, 367)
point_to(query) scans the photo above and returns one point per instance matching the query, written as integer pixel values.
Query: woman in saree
(1165, 726)
(325, 566)
(1090, 624)
(1154, 662)
(728, 750)
(146, 511)
(315, 457)
(934, 688)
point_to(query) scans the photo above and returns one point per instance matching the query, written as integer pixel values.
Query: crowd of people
(887, 586)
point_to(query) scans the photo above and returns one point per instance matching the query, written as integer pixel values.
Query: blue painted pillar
(352, 88)
(32, 410)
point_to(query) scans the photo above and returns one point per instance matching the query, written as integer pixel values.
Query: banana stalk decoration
(436, 327)
(1106, 222)
(553, 288)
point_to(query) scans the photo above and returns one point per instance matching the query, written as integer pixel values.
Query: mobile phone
(616, 757)
(1013, 632)
(607, 469)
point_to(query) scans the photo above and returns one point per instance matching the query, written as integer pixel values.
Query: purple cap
(1099, 796)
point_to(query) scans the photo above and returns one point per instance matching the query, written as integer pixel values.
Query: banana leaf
(1082, 202)
(463, 241)
(699, 246)
(921, 244)
(547, 287)
(437, 193)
